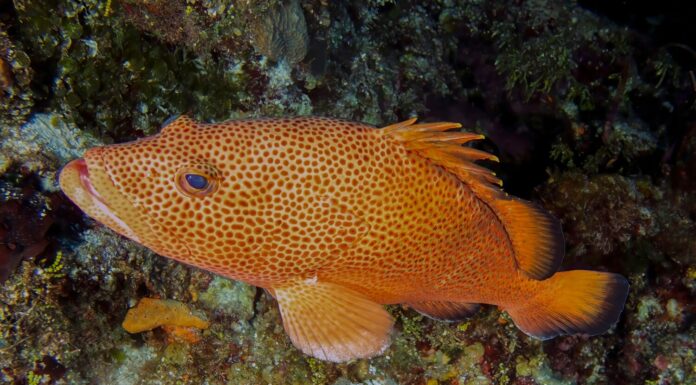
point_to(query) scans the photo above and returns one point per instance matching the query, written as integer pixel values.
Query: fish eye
(197, 181)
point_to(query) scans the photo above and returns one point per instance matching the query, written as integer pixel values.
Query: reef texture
(592, 113)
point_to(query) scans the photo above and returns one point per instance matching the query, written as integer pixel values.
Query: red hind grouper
(337, 218)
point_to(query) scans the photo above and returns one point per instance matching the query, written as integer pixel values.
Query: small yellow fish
(337, 218)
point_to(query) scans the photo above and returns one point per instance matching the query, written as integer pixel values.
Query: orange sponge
(151, 313)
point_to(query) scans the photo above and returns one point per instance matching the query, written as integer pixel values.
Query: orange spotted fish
(336, 218)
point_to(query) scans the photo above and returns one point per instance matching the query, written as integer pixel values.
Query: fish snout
(70, 175)
(74, 176)
(87, 184)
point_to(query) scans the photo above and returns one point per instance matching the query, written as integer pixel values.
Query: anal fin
(445, 311)
(331, 322)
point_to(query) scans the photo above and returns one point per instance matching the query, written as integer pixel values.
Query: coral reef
(16, 96)
(24, 227)
(591, 111)
(281, 33)
(648, 222)
(50, 135)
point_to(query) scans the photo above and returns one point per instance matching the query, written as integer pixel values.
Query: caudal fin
(572, 302)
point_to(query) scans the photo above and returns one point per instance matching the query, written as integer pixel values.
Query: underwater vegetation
(590, 108)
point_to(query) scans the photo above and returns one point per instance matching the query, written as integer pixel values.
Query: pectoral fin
(331, 322)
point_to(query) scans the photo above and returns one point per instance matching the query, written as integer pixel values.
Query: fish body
(336, 218)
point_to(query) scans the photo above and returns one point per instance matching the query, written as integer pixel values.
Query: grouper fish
(336, 219)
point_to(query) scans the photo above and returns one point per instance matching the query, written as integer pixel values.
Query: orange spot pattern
(315, 197)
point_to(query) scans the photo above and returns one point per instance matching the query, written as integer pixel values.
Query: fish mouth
(77, 183)
(83, 172)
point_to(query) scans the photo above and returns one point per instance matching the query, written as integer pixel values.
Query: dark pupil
(199, 182)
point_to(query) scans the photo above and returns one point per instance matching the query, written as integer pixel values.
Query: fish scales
(330, 213)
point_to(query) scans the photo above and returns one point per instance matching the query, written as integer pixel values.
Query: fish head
(160, 191)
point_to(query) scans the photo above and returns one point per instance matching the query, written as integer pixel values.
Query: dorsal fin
(444, 149)
(535, 235)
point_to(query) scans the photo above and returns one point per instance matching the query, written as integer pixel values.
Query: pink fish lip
(80, 165)
(85, 194)
(82, 169)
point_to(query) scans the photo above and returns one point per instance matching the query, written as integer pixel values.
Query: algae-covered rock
(113, 82)
(630, 217)
(281, 33)
(51, 135)
(16, 73)
(228, 296)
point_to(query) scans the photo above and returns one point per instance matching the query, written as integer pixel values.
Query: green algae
(648, 307)
(131, 365)
(16, 75)
(538, 369)
(56, 137)
(281, 33)
(113, 82)
(229, 296)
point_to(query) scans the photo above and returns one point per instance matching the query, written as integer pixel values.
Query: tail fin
(572, 302)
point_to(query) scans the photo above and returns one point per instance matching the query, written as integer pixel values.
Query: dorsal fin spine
(396, 126)
(444, 148)
(449, 137)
